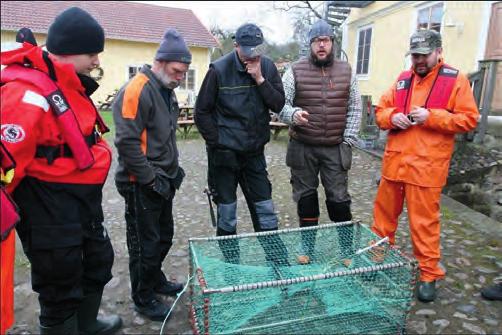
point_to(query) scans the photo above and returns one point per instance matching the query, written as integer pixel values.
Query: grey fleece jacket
(145, 115)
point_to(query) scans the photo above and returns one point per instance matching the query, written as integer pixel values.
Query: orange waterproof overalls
(415, 165)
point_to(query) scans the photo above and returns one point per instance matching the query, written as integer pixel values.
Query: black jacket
(232, 111)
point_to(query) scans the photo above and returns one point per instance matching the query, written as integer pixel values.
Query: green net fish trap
(334, 278)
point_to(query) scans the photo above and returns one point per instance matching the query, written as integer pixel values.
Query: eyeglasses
(319, 40)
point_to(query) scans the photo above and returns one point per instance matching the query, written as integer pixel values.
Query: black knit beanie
(75, 32)
(173, 48)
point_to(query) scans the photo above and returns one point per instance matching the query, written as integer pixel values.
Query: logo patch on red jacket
(12, 133)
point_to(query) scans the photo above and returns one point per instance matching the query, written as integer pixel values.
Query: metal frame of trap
(275, 283)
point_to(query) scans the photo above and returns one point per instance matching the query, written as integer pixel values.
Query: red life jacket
(65, 117)
(439, 94)
(9, 212)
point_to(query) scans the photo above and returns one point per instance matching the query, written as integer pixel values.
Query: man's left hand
(254, 69)
(419, 114)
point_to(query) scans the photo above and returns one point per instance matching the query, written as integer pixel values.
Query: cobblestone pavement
(471, 256)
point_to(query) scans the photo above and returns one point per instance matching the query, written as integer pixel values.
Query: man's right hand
(400, 121)
(300, 118)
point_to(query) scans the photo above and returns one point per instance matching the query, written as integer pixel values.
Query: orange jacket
(7, 254)
(420, 155)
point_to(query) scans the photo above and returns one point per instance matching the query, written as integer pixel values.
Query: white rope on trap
(189, 278)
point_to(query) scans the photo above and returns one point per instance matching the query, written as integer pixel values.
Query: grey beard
(166, 80)
(322, 62)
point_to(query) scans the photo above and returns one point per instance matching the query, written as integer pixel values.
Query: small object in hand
(347, 262)
(303, 259)
(412, 120)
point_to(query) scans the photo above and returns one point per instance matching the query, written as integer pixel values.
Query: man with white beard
(145, 114)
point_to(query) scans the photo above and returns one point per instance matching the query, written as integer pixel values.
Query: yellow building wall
(119, 55)
(392, 28)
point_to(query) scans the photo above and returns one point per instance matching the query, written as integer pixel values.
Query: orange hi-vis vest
(438, 95)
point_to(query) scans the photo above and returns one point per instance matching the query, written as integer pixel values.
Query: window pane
(359, 53)
(368, 36)
(363, 51)
(436, 27)
(359, 67)
(422, 26)
(423, 16)
(365, 66)
(190, 78)
(437, 13)
(366, 53)
(361, 38)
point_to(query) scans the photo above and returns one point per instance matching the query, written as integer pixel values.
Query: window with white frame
(132, 70)
(188, 83)
(430, 17)
(363, 50)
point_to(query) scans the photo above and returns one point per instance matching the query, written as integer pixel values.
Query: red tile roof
(121, 20)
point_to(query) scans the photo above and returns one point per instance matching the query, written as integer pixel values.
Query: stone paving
(471, 247)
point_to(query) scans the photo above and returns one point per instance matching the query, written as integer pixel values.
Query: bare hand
(400, 121)
(419, 114)
(301, 117)
(253, 66)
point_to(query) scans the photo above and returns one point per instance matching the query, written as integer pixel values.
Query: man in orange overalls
(423, 110)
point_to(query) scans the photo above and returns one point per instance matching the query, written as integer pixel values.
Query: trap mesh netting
(335, 278)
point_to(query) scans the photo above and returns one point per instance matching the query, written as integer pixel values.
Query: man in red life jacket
(423, 110)
(53, 131)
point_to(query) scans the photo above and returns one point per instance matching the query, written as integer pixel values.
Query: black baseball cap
(250, 38)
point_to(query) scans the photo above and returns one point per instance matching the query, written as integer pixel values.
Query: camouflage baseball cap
(424, 42)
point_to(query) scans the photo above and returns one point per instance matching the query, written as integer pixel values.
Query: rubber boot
(308, 213)
(69, 327)
(229, 248)
(340, 212)
(426, 291)
(88, 320)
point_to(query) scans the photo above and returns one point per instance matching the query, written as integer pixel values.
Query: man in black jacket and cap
(232, 114)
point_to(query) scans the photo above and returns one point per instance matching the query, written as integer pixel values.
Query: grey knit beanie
(173, 48)
(320, 28)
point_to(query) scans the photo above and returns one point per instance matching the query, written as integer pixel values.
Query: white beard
(166, 80)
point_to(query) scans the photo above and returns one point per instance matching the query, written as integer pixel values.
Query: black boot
(69, 327)
(426, 291)
(88, 321)
(308, 212)
(340, 212)
(493, 292)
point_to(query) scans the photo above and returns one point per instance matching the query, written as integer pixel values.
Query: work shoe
(426, 291)
(493, 292)
(168, 288)
(155, 310)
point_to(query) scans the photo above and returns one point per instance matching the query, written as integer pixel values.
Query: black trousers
(64, 239)
(226, 170)
(150, 230)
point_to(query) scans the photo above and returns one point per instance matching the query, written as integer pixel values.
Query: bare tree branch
(298, 5)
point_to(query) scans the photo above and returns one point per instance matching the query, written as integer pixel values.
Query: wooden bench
(185, 126)
(276, 128)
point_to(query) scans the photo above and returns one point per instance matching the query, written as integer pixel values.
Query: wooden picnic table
(186, 122)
